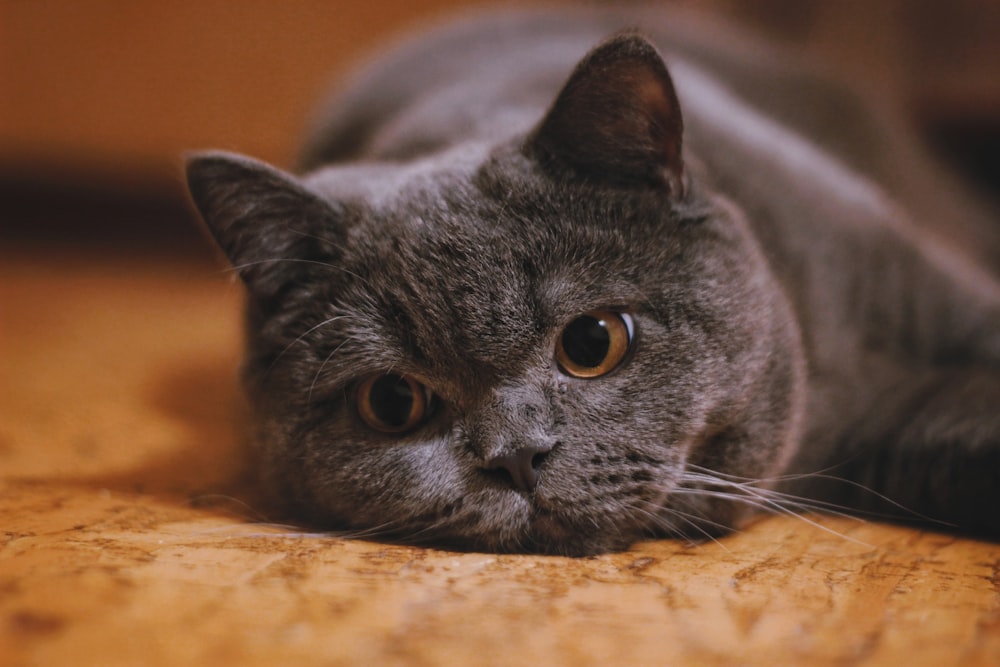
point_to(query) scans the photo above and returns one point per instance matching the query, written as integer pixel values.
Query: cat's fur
(812, 301)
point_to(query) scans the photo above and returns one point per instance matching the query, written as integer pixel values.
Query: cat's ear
(266, 222)
(617, 119)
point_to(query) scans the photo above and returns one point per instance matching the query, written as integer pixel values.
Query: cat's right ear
(617, 120)
(268, 224)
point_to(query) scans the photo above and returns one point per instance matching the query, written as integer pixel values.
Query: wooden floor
(127, 538)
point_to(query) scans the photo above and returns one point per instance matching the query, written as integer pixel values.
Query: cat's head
(552, 344)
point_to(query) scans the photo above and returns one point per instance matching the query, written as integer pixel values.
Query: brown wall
(116, 89)
(113, 91)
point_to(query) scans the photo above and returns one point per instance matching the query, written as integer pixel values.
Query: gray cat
(533, 294)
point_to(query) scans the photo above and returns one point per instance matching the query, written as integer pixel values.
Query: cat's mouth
(552, 535)
(556, 534)
(550, 526)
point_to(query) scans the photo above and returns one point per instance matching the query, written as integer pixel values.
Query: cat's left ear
(617, 119)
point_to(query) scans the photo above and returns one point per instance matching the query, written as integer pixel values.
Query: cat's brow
(236, 268)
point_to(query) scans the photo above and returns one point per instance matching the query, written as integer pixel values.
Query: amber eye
(392, 403)
(594, 344)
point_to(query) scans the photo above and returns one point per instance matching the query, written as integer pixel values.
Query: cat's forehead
(441, 228)
(426, 216)
(446, 270)
(386, 186)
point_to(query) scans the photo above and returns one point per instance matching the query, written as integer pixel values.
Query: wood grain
(127, 536)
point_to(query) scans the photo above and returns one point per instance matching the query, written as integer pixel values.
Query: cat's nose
(522, 465)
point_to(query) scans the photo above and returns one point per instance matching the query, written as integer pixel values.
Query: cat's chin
(548, 531)
(554, 533)
(543, 532)
(557, 533)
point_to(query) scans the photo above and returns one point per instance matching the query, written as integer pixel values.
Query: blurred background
(99, 99)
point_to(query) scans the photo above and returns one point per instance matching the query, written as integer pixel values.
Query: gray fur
(793, 315)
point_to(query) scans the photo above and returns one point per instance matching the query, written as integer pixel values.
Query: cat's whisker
(697, 523)
(815, 504)
(872, 492)
(278, 358)
(334, 243)
(387, 530)
(214, 499)
(763, 499)
(297, 260)
(319, 371)
(660, 525)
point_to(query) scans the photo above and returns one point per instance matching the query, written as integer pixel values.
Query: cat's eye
(392, 403)
(594, 344)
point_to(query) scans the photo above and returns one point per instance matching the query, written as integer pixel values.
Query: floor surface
(127, 537)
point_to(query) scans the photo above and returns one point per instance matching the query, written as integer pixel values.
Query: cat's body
(802, 293)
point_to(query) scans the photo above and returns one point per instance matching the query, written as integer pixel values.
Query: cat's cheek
(442, 493)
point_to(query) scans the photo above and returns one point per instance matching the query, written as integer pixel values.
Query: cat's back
(485, 55)
(492, 75)
(522, 56)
